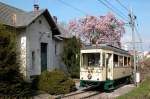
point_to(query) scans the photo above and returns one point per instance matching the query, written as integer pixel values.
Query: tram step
(109, 85)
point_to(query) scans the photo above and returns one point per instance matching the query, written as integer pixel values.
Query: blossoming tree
(98, 30)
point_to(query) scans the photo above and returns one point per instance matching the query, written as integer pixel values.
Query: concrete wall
(38, 33)
(58, 50)
(29, 41)
(22, 51)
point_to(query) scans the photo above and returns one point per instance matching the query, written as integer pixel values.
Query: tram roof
(106, 47)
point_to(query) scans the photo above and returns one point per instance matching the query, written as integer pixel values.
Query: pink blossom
(101, 29)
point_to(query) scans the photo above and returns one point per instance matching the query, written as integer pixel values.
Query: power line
(140, 39)
(83, 12)
(112, 9)
(77, 9)
(122, 5)
(138, 34)
(115, 8)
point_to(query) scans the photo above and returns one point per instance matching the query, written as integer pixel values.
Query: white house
(39, 38)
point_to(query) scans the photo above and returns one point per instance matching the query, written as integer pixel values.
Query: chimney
(36, 7)
(55, 19)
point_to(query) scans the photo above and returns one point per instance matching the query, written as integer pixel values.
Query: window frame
(87, 60)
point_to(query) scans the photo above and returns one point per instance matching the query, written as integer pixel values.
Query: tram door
(109, 68)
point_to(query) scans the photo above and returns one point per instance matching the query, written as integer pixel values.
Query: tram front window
(91, 59)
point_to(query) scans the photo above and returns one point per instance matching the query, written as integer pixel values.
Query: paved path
(118, 92)
(42, 96)
(111, 95)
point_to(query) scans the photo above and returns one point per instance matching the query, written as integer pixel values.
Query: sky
(66, 12)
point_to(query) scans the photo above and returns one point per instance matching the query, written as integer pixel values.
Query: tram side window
(115, 60)
(103, 61)
(129, 61)
(121, 61)
(125, 62)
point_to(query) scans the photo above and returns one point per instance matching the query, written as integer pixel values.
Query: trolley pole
(132, 24)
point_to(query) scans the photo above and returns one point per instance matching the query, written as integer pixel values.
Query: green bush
(35, 80)
(11, 80)
(55, 82)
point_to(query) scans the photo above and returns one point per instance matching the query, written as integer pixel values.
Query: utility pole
(132, 24)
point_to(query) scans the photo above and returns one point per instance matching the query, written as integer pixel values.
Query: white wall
(58, 49)
(36, 34)
(22, 51)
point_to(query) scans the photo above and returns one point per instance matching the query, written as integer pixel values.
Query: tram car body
(104, 64)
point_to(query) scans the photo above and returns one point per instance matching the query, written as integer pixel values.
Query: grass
(141, 92)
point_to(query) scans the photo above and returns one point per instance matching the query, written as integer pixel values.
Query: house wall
(29, 41)
(38, 33)
(58, 55)
(58, 50)
(22, 51)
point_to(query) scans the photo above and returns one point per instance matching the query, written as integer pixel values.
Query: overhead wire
(136, 19)
(85, 13)
(116, 8)
(119, 13)
(136, 30)
(109, 6)
(139, 37)
(138, 34)
(105, 4)
(122, 5)
(73, 7)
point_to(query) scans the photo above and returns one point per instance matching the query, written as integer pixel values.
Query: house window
(33, 59)
(55, 48)
(40, 22)
(34, 21)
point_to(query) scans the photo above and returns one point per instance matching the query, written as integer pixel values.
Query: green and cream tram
(104, 64)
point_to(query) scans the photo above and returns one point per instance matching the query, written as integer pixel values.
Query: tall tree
(11, 80)
(71, 56)
(98, 30)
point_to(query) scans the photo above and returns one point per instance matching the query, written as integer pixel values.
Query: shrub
(55, 82)
(35, 80)
(144, 68)
(11, 80)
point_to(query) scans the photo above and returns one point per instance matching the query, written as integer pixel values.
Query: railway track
(85, 93)
(81, 95)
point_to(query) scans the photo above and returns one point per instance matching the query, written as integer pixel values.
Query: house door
(43, 56)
